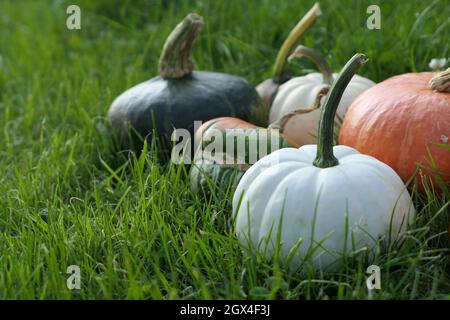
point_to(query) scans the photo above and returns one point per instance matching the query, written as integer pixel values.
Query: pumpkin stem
(176, 57)
(441, 81)
(317, 58)
(279, 71)
(325, 157)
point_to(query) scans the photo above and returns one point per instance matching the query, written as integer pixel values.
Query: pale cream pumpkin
(299, 93)
(319, 199)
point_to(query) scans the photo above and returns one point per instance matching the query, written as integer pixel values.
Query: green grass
(133, 226)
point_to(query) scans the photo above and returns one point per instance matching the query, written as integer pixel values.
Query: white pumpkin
(286, 186)
(301, 92)
(315, 192)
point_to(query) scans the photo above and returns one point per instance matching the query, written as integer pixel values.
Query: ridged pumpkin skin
(397, 120)
(286, 187)
(300, 92)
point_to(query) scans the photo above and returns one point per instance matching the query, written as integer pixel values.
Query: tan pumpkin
(402, 121)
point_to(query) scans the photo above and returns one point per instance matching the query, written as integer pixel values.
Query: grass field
(134, 227)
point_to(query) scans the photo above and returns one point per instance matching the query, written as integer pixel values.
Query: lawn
(132, 225)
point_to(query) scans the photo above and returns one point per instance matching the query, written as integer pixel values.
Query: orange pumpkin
(401, 121)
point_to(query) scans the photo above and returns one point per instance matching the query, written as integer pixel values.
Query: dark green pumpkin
(178, 96)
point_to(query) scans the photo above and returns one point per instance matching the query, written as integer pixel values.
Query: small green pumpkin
(178, 96)
(219, 168)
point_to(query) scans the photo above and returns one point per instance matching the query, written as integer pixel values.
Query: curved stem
(176, 57)
(317, 58)
(279, 70)
(441, 81)
(325, 157)
(280, 124)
